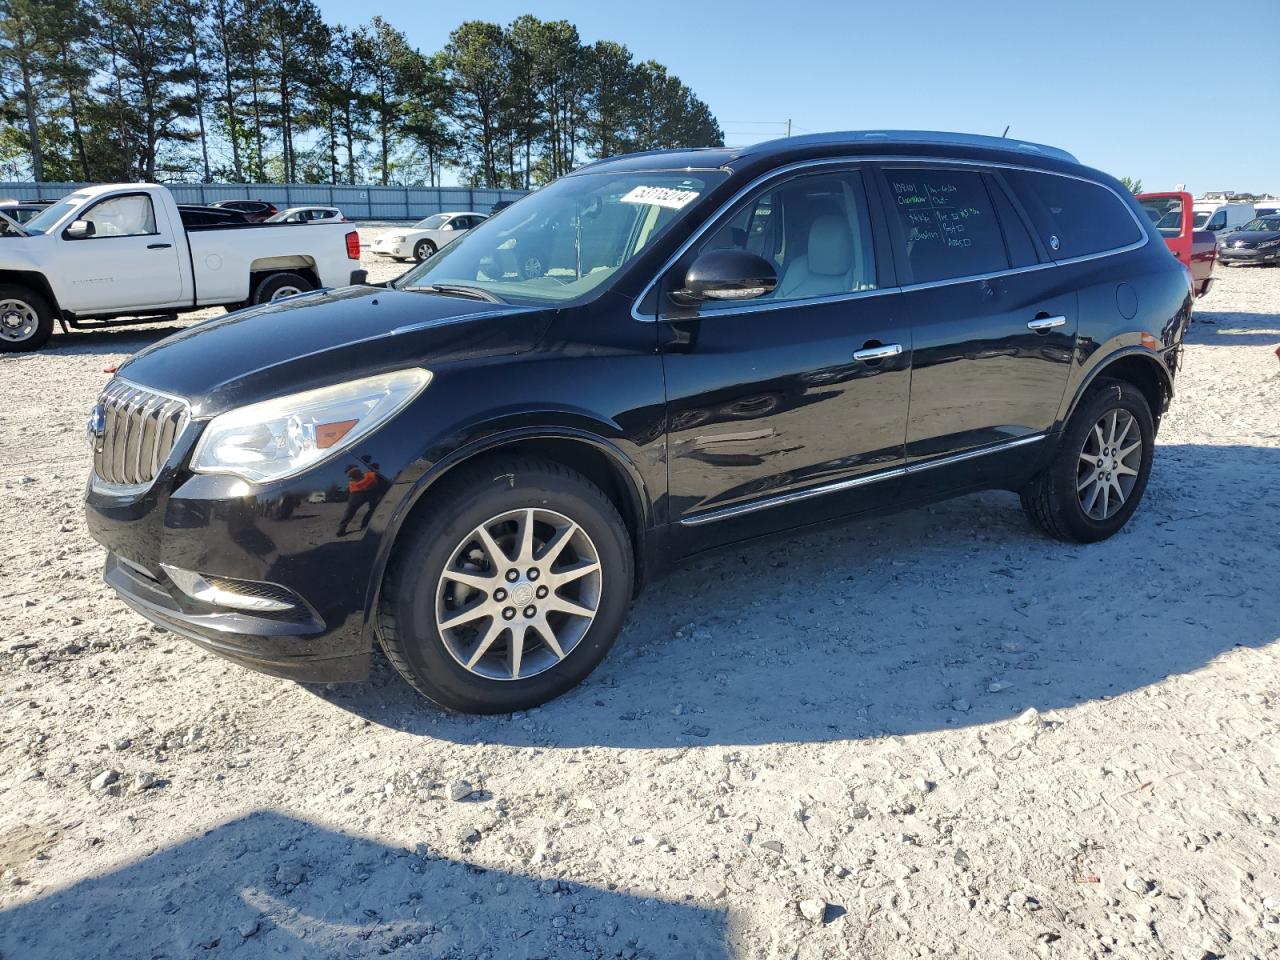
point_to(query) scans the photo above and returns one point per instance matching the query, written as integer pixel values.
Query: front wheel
(423, 249)
(1099, 472)
(510, 589)
(26, 319)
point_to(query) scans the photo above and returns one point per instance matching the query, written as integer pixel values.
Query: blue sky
(1135, 87)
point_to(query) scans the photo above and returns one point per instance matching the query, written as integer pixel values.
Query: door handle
(1046, 323)
(882, 352)
(159, 246)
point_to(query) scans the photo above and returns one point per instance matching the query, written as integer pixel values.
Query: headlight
(282, 437)
(395, 239)
(1268, 244)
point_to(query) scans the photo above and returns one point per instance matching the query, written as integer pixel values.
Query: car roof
(851, 141)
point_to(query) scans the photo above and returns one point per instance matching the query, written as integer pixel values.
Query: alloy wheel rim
(18, 320)
(1108, 464)
(286, 291)
(518, 594)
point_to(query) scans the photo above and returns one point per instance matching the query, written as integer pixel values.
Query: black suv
(478, 464)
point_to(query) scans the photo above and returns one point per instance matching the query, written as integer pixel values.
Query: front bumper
(392, 249)
(1249, 255)
(296, 537)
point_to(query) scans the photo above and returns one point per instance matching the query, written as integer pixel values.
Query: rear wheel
(279, 285)
(1100, 470)
(423, 249)
(510, 590)
(26, 319)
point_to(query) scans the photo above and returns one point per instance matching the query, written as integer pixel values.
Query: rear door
(993, 330)
(129, 263)
(788, 408)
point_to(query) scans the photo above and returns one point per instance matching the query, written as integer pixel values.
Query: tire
(423, 249)
(416, 588)
(26, 319)
(281, 285)
(1051, 499)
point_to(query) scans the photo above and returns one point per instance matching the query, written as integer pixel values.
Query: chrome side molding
(840, 486)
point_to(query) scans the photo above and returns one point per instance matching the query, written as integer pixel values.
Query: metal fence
(356, 202)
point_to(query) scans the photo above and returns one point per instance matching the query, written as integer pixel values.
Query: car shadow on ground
(111, 341)
(1223, 328)
(935, 618)
(269, 885)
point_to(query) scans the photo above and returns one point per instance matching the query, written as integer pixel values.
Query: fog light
(225, 592)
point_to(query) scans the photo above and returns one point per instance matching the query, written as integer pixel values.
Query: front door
(790, 407)
(994, 329)
(129, 262)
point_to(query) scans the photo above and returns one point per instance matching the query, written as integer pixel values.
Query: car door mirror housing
(727, 275)
(80, 230)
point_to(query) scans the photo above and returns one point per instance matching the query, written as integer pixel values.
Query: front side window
(1218, 220)
(1074, 217)
(128, 216)
(948, 223)
(567, 239)
(813, 229)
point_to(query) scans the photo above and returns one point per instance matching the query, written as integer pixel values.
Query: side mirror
(728, 275)
(80, 230)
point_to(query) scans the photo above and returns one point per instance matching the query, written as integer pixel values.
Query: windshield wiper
(459, 290)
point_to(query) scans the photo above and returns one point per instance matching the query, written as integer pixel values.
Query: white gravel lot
(958, 738)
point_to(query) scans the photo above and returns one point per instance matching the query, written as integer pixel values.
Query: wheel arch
(598, 459)
(36, 281)
(1135, 365)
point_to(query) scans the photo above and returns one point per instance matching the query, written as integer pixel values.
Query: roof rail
(915, 136)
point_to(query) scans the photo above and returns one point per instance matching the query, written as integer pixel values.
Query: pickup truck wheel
(423, 249)
(509, 590)
(281, 285)
(1100, 470)
(26, 319)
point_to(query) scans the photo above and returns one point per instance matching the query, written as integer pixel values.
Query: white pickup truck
(121, 250)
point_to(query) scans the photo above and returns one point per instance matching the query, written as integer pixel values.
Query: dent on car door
(993, 328)
(776, 414)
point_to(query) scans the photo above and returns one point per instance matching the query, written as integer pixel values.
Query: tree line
(267, 91)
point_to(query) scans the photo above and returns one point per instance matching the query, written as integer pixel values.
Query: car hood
(326, 337)
(1253, 236)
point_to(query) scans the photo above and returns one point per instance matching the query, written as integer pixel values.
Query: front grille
(138, 434)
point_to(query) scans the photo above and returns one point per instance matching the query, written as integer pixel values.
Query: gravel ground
(935, 734)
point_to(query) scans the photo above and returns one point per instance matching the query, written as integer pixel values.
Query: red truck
(1172, 214)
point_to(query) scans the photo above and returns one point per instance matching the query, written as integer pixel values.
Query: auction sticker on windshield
(661, 197)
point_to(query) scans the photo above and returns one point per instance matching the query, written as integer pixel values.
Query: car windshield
(53, 213)
(566, 239)
(433, 222)
(1263, 223)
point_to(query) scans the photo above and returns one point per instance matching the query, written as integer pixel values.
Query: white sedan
(426, 236)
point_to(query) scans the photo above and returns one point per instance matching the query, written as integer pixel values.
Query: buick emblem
(96, 427)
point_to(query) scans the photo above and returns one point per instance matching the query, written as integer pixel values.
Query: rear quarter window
(1075, 218)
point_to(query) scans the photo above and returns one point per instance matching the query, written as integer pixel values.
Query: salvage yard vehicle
(427, 236)
(1172, 213)
(656, 355)
(255, 211)
(1256, 243)
(307, 215)
(1219, 218)
(106, 253)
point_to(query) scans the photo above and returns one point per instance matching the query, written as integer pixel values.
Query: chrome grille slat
(140, 428)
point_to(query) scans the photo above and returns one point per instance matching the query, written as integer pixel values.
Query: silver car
(426, 236)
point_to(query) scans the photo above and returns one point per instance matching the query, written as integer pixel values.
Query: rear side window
(948, 223)
(1074, 218)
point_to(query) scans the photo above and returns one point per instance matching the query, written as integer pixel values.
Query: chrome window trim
(854, 161)
(839, 486)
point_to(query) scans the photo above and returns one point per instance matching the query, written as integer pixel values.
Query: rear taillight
(353, 246)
